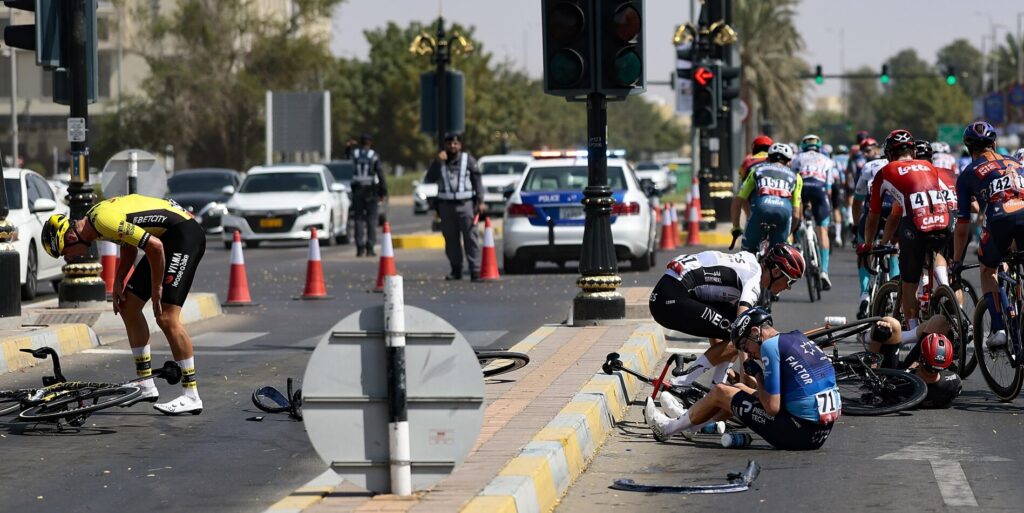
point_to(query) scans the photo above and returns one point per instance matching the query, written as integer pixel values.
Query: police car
(498, 173)
(544, 216)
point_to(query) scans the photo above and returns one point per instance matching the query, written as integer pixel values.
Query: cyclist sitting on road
(930, 359)
(816, 170)
(758, 154)
(701, 294)
(924, 227)
(995, 181)
(174, 243)
(776, 199)
(794, 400)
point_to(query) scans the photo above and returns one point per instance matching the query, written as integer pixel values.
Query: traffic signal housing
(44, 36)
(884, 77)
(620, 47)
(819, 77)
(568, 47)
(950, 75)
(707, 100)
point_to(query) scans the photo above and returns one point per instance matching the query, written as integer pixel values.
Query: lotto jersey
(133, 218)
(945, 161)
(718, 277)
(815, 168)
(995, 182)
(772, 181)
(797, 369)
(915, 187)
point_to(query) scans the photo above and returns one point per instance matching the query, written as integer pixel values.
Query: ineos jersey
(996, 182)
(815, 168)
(717, 277)
(915, 187)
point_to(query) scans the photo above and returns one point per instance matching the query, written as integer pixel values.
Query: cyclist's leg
(713, 406)
(995, 242)
(823, 216)
(782, 218)
(782, 431)
(913, 248)
(752, 234)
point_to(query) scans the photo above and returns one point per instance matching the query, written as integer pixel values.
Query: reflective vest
(462, 190)
(364, 173)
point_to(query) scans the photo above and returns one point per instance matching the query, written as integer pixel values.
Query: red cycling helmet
(936, 352)
(787, 259)
(761, 140)
(897, 140)
(867, 143)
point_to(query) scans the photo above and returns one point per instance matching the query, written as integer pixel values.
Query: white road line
(953, 485)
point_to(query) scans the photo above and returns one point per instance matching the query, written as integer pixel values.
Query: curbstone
(67, 339)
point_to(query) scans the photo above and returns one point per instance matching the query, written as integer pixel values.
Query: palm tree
(769, 45)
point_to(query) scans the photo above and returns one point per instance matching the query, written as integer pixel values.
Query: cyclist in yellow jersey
(173, 243)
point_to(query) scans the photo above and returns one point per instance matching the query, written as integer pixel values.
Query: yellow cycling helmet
(53, 234)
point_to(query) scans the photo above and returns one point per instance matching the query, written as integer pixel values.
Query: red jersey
(916, 188)
(947, 178)
(749, 162)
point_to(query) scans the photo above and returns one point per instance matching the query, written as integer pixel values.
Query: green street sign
(950, 133)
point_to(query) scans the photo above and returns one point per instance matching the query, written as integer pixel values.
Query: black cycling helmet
(979, 134)
(755, 317)
(923, 150)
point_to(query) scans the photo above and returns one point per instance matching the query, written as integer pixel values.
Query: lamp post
(441, 47)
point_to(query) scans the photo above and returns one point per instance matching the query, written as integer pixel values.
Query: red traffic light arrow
(702, 76)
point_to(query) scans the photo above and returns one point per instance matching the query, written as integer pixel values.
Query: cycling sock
(824, 259)
(865, 278)
(143, 365)
(941, 275)
(681, 423)
(894, 266)
(188, 377)
(721, 372)
(694, 371)
(997, 316)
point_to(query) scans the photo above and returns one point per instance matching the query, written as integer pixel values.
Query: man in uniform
(368, 188)
(460, 200)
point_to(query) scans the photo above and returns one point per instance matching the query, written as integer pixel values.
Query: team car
(544, 216)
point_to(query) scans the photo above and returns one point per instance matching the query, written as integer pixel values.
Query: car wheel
(329, 241)
(642, 262)
(253, 243)
(30, 288)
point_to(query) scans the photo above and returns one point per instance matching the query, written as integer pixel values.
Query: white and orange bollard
(387, 258)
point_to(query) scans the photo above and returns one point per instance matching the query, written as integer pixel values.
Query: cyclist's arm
(965, 204)
(796, 199)
(127, 260)
(770, 391)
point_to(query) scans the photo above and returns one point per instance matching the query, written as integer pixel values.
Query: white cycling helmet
(781, 149)
(1019, 154)
(940, 147)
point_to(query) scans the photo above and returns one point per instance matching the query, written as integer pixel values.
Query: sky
(854, 33)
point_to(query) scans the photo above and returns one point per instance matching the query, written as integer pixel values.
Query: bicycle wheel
(500, 362)
(867, 391)
(996, 364)
(886, 300)
(827, 337)
(968, 299)
(10, 402)
(944, 302)
(80, 402)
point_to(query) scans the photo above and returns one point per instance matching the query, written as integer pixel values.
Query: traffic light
(819, 78)
(884, 77)
(706, 95)
(62, 78)
(950, 75)
(568, 47)
(43, 36)
(729, 85)
(620, 47)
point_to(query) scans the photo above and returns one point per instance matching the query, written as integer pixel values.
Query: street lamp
(440, 47)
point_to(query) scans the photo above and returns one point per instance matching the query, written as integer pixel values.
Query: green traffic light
(884, 79)
(628, 67)
(951, 79)
(819, 79)
(565, 68)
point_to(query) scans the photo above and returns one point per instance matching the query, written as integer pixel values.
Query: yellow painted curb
(607, 388)
(537, 469)
(591, 409)
(209, 306)
(418, 241)
(491, 504)
(714, 239)
(570, 447)
(301, 499)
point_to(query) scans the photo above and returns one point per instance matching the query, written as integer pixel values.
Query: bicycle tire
(989, 361)
(495, 363)
(885, 391)
(885, 301)
(70, 405)
(968, 302)
(943, 301)
(826, 337)
(10, 404)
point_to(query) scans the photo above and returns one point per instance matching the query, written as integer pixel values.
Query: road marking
(213, 352)
(945, 463)
(953, 485)
(225, 338)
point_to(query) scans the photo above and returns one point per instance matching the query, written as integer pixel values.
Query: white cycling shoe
(183, 404)
(672, 406)
(996, 340)
(148, 395)
(656, 420)
(826, 284)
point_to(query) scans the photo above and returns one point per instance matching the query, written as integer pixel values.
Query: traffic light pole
(598, 281)
(82, 284)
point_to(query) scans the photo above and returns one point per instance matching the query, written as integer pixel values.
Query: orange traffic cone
(238, 285)
(693, 227)
(667, 239)
(488, 256)
(108, 258)
(675, 225)
(315, 287)
(387, 258)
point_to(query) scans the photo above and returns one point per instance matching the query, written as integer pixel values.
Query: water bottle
(736, 440)
(713, 428)
(835, 320)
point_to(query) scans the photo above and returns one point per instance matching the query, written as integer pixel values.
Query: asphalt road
(964, 459)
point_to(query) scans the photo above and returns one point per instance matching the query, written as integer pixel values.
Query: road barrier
(667, 237)
(387, 258)
(238, 285)
(315, 287)
(489, 256)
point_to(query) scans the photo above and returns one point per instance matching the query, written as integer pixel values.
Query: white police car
(544, 216)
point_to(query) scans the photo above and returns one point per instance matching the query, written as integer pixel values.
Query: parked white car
(656, 173)
(285, 202)
(32, 201)
(499, 172)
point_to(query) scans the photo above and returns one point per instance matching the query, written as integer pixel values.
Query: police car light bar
(580, 154)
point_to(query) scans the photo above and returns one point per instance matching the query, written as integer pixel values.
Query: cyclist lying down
(929, 359)
(792, 402)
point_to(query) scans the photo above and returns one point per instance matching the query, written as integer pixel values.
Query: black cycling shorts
(184, 246)
(915, 246)
(673, 307)
(783, 431)
(817, 196)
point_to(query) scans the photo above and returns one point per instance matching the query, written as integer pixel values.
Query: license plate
(271, 222)
(572, 213)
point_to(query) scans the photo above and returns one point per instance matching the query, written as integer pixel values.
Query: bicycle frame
(1010, 282)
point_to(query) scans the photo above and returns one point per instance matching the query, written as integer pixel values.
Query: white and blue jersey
(797, 369)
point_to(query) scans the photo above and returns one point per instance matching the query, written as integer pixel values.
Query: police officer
(460, 199)
(368, 188)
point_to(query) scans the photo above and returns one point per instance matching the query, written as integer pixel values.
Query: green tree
(861, 97)
(966, 61)
(919, 104)
(1005, 57)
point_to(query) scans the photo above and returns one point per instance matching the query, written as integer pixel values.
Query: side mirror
(228, 190)
(648, 187)
(337, 187)
(507, 192)
(43, 205)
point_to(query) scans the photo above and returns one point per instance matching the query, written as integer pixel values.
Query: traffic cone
(675, 225)
(238, 285)
(667, 239)
(693, 228)
(387, 258)
(108, 258)
(315, 287)
(488, 256)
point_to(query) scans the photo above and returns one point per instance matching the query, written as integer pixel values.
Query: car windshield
(282, 182)
(342, 171)
(502, 168)
(647, 166)
(198, 182)
(568, 178)
(12, 186)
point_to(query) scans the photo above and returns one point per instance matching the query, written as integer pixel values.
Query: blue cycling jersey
(995, 181)
(797, 369)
